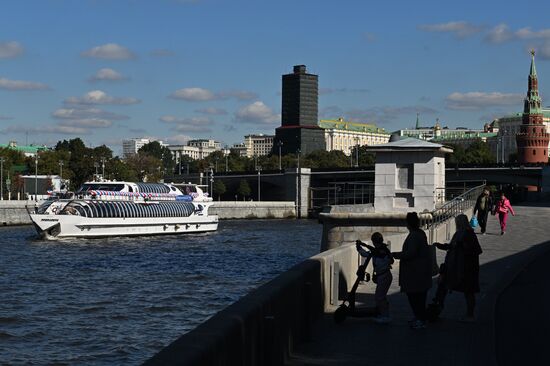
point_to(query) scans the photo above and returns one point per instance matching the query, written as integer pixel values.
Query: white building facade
(131, 146)
(258, 145)
(195, 149)
(345, 136)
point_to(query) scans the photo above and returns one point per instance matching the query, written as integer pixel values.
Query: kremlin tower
(532, 140)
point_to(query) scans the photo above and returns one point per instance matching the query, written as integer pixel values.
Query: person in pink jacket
(502, 208)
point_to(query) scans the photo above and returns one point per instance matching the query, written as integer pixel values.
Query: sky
(105, 70)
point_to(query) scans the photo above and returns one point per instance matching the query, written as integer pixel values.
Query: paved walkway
(449, 342)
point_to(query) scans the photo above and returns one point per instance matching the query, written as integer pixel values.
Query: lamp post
(103, 168)
(211, 181)
(226, 165)
(96, 165)
(351, 156)
(280, 143)
(60, 169)
(356, 152)
(259, 174)
(36, 177)
(1, 179)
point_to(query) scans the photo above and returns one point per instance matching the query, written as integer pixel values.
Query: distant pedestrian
(460, 271)
(502, 208)
(381, 262)
(484, 205)
(415, 270)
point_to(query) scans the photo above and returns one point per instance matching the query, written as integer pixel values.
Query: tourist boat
(110, 208)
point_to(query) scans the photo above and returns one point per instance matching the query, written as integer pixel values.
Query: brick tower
(532, 140)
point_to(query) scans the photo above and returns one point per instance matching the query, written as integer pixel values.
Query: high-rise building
(533, 138)
(299, 130)
(132, 146)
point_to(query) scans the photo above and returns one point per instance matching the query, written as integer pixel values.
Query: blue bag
(473, 222)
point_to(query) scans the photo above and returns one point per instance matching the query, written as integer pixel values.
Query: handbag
(473, 222)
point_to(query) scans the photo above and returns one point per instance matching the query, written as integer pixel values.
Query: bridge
(312, 189)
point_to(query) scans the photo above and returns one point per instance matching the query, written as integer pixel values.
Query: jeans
(383, 283)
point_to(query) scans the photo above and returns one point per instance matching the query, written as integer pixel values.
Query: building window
(405, 176)
(534, 152)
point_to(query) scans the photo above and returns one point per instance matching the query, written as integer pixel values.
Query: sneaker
(380, 319)
(418, 324)
(502, 233)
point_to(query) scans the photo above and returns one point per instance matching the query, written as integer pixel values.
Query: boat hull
(52, 227)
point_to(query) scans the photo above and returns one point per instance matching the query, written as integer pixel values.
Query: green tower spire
(532, 104)
(533, 71)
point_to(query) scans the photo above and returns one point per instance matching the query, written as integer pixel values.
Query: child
(381, 262)
(502, 208)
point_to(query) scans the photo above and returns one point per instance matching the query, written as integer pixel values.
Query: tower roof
(533, 71)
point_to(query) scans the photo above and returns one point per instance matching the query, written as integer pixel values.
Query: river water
(121, 300)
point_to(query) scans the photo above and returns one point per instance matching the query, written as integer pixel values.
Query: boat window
(73, 209)
(43, 207)
(130, 189)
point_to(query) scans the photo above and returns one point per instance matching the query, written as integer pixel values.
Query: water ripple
(120, 300)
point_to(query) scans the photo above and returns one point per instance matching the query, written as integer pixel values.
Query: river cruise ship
(109, 208)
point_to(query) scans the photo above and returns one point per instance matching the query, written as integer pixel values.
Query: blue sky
(104, 70)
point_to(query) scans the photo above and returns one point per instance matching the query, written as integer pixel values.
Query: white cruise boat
(110, 208)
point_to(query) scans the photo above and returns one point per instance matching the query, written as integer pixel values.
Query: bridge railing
(454, 207)
(341, 193)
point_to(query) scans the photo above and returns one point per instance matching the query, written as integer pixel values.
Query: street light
(259, 174)
(36, 177)
(226, 165)
(1, 179)
(103, 168)
(212, 181)
(356, 152)
(280, 143)
(60, 169)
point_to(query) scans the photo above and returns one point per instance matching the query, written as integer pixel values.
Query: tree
(159, 152)
(244, 189)
(477, 152)
(219, 188)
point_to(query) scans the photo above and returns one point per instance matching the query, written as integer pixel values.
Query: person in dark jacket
(415, 267)
(484, 205)
(460, 271)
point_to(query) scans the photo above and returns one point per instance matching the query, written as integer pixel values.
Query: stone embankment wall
(263, 327)
(253, 210)
(15, 212)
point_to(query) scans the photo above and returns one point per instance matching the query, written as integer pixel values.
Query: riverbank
(15, 212)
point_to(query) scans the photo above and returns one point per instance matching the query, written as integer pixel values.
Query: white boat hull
(65, 226)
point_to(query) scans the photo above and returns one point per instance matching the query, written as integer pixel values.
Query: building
(27, 150)
(131, 146)
(299, 130)
(533, 137)
(239, 150)
(195, 149)
(345, 136)
(440, 133)
(258, 145)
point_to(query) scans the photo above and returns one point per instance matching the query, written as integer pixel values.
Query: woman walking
(484, 205)
(460, 271)
(502, 208)
(415, 277)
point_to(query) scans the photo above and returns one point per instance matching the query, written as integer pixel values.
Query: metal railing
(341, 193)
(454, 207)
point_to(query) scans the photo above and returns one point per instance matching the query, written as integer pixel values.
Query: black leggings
(417, 300)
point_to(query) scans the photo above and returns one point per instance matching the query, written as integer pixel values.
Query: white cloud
(188, 124)
(257, 112)
(109, 51)
(178, 139)
(87, 123)
(499, 34)
(10, 49)
(378, 115)
(460, 29)
(5, 118)
(86, 113)
(203, 95)
(100, 97)
(15, 85)
(212, 111)
(481, 100)
(193, 94)
(56, 129)
(107, 74)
